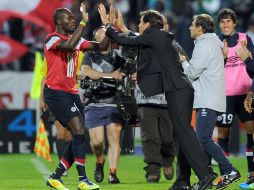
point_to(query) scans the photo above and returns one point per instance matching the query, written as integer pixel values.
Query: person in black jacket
(158, 71)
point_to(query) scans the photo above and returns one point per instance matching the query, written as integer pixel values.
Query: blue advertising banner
(18, 131)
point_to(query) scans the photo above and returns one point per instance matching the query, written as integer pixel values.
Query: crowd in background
(178, 12)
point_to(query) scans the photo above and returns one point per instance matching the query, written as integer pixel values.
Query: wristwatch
(108, 25)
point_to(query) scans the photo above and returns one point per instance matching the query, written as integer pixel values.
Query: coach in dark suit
(159, 71)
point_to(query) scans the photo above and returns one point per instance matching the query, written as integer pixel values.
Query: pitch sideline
(41, 168)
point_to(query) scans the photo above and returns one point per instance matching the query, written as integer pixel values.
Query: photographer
(102, 112)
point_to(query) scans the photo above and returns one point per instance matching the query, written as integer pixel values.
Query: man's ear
(200, 29)
(58, 21)
(147, 25)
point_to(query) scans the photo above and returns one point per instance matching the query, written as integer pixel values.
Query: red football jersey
(62, 65)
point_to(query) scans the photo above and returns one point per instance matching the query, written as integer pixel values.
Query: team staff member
(60, 92)
(158, 71)
(102, 116)
(156, 127)
(238, 84)
(206, 71)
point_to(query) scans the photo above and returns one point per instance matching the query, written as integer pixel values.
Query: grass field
(28, 172)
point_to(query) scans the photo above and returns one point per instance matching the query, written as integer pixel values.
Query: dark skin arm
(98, 46)
(67, 20)
(70, 44)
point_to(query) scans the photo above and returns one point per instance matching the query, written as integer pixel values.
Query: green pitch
(28, 172)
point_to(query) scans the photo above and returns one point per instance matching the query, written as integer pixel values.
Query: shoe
(205, 183)
(168, 172)
(56, 184)
(153, 173)
(227, 179)
(249, 184)
(219, 180)
(98, 172)
(180, 187)
(112, 178)
(86, 184)
(150, 178)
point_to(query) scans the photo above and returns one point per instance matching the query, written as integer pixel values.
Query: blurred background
(24, 24)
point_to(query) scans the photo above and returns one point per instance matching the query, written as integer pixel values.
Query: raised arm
(142, 40)
(98, 46)
(73, 41)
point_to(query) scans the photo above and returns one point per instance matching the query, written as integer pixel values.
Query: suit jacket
(158, 68)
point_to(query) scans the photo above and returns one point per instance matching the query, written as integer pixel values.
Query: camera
(129, 52)
(102, 88)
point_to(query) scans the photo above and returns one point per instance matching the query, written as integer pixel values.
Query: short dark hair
(58, 13)
(225, 14)
(153, 17)
(205, 21)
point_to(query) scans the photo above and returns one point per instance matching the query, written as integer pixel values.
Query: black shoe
(205, 183)
(153, 173)
(112, 178)
(152, 178)
(168, 171)
(180, 187)
(98, 172)
(227, 179)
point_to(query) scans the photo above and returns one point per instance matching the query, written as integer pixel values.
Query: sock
(78, 148)
(112, 170)
(60, 146)
(101, 160)
(224, 145)
(65, 163)
(58, 171)
(249, 152)
(67, 157)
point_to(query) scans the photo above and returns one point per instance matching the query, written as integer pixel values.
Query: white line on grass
(41, 168)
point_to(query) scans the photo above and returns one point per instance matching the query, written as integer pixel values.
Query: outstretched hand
(120, 22)
(105, 19)
(112, 15)
(103, 14)
(84, 13)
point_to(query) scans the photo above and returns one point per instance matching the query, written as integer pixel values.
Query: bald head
(99, 34)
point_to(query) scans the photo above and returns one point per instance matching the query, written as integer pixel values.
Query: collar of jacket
(206, 35)
(150, 29)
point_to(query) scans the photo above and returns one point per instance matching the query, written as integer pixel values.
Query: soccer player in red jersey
(61, 51)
